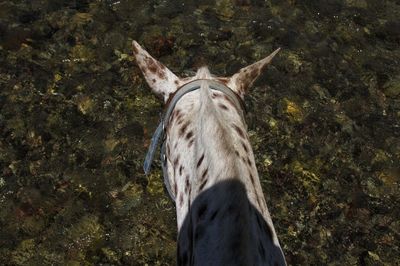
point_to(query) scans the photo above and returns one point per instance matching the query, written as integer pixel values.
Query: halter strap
(172, 101)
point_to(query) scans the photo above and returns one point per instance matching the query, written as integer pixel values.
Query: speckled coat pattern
(221, 211)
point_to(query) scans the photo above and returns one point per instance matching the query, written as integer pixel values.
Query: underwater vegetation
(76, 118)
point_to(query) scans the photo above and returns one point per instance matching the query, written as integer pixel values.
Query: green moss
(345, 122)
(17, 126)
(33, 225)
(24, 252)
(224, 9)
(293, 111)
(85, 105)
(255, 139)
(295, 62)
(309, 179)
(155, 184)
(392, 87)
(82, 53)
(126, 199)
(143, 102)
(44, 256)
(111, 255)
(357, 3)
(86, 234)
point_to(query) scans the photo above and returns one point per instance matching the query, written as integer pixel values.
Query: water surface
(76, 117)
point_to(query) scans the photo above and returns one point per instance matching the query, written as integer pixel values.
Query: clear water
(76, 117)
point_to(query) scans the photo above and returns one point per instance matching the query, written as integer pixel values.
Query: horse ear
(160, 79)
(245, 77)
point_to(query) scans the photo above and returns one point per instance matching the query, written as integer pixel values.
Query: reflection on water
(76, 118)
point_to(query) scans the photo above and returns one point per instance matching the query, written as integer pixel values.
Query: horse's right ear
(160, 79)
(245, 77)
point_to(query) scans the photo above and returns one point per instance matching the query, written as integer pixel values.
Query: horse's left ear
(160, 79)
(245, 77)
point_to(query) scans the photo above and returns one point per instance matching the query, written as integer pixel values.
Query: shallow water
(76, 117)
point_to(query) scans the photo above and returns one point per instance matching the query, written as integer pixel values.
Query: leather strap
(172, 101)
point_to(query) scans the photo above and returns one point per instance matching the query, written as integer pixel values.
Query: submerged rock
(224, 9)
(292, 110)
(392, 87)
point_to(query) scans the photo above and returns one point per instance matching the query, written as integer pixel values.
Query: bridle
(171, 102)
